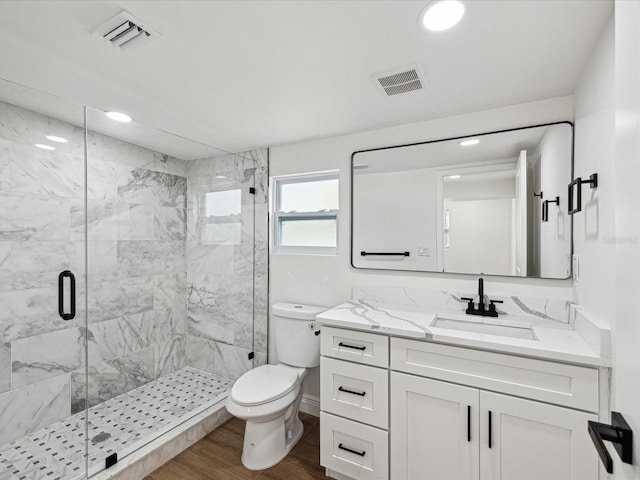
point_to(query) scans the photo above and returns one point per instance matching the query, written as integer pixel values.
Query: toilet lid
(263, 384)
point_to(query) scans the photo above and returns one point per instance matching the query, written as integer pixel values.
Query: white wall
(327, 280)
(594, 227)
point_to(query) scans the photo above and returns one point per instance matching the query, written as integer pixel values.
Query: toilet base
(265, 444)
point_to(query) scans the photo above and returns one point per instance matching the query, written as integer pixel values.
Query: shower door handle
(72, 302)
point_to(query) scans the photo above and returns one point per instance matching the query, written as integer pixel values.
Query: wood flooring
(217, 457)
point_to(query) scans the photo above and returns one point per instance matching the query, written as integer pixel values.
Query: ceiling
(238, 75)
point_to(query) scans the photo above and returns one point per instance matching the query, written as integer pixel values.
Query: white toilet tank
(294, 331)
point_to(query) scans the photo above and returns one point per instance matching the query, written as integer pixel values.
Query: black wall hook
(619, 433)
(578, 182)
(545, 208)
(541, 194)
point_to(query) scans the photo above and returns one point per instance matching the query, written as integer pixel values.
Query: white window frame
(278, 216)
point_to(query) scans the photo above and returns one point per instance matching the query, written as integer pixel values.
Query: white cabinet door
(534, 441)
(434, 430)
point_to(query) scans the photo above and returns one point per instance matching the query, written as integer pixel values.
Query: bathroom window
(305, 213)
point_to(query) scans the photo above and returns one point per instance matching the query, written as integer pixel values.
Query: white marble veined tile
(154, 188)
(33, 217)
(24, 126)
(141, 224)
(436, 301)
(200, 353)
(209, 259)
(243, 329)
(169, 223)
(46, 355)
(44, 172)
(211, 323)
(230, 361)
(5, 165)
(23, 306)
(101, 148)
(5, 266)
(169, 290)
(105, 220)
(170, 356)
(168, 164)
(5, 367)
(225, 292)
(28, 409)
(170, 322)
(113, 377)
(122, 297)
(102, 261)
(37, 263)
(137, 258)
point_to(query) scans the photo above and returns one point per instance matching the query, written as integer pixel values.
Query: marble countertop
(555, 341)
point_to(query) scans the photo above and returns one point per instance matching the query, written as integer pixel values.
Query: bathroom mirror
(470, 204)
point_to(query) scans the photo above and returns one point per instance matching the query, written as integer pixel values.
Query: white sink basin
(486, 326)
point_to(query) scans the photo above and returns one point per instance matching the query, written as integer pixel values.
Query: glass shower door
(42, 286)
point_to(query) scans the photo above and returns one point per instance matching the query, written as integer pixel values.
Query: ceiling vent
(400, 80)
(127, 32)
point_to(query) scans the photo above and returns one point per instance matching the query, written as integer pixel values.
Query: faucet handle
(492, 304)
(470, 300)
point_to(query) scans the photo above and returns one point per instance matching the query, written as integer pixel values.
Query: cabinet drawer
(549, 382)
(356, 450)
(358, 392)
(361, 347)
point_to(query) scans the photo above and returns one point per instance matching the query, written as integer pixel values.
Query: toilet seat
(265, 384)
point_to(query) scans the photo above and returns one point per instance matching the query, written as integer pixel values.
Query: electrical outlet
(424, 251)
(575, 264)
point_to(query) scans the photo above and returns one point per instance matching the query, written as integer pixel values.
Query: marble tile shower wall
(137, 274)
(227, 261)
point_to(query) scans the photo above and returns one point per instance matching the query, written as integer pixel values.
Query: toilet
(268, 397)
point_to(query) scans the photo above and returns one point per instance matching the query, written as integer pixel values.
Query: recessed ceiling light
(221, 176)
(469, 142)
(53, 138)
(454, 177)
(119, 117)
(44, 147)
(441, 15)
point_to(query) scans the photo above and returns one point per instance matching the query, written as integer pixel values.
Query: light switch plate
(575, 266)
(424, 251)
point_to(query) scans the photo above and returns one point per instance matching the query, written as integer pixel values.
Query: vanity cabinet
(354, 403)
(402, 409)
(443, 431)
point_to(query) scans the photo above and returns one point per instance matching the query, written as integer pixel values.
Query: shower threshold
(120, 425)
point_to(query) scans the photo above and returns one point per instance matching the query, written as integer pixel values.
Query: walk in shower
(133, 283)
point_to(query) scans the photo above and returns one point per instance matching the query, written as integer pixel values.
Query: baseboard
(310, 406)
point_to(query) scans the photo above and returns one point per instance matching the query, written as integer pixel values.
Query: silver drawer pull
(351, 450)
(353, 392)
(355, 347)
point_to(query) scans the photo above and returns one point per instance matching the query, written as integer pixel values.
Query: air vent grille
(126, 32)
(400, 80)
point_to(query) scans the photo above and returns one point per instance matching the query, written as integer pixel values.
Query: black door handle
(351, 450)
(619, 433)
(489, 428)
(72, 300)
(468, 423)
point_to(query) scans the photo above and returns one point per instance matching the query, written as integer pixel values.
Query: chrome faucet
(481, 310)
